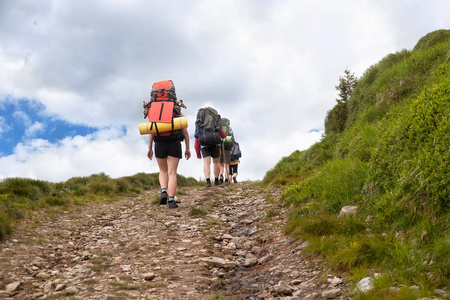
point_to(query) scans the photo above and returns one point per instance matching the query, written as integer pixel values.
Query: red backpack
(162, 108)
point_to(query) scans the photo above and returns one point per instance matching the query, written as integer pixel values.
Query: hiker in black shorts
(168, 154)
(209, 152)
(208, 135)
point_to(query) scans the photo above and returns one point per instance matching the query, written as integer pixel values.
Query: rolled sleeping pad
(178, 123)
(227, 139)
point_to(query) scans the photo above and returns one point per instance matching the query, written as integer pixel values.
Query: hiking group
(167, 128)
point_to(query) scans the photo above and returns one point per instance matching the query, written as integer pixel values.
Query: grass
(216, 296)
(198, 211)
(101, 262)
(391, 161)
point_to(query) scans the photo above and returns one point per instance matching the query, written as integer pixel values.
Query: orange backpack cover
(162, 100)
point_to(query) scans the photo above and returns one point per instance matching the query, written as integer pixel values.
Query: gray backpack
(209, 124)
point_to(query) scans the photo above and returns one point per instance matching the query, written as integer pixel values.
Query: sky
(74, 74)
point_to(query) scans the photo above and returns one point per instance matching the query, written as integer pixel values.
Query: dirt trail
(222, 242)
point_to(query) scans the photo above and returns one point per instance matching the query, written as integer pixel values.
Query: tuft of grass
(216, 296)
(198, 211)
(101, 262)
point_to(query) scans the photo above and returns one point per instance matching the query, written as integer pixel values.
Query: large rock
(331, 294)
(215, 262)
(348, 210)
(365, 284)
(12, 287)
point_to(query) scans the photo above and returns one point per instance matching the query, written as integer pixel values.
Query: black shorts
(169, 148)
(233, 169)
(213, 151)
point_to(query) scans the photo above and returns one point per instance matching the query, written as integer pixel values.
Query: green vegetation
(386, 150)
(18, 196)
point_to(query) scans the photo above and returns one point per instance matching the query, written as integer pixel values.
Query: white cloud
(35, 128)
(108, 151)
(4, 127)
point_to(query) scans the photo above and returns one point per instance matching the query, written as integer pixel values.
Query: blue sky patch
(22, 120)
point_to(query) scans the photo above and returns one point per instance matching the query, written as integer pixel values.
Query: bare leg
(227, 172)
(172, 171)
(168, 174)
(207, 166)
(163, 172)
(216, 166)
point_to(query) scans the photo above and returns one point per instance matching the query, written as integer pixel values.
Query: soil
(224, 242)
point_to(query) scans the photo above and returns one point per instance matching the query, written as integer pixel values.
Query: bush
(25, 188)
(123, 186)
(359, 141)
(5, 226)
(57, 201)
(413, 153)
(336, 118)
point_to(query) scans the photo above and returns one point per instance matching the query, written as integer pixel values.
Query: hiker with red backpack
(162, 109)
(208, 137)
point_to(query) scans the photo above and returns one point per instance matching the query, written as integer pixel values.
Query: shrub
(413, 153)
(123, 186)
(5, 226)
(26, 188)
(57, 201)
(359, 141)
(336, 118)
(101, 188)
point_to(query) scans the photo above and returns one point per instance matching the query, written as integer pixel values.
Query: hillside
(386, 153)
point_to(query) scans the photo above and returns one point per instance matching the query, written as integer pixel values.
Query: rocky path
(223, 242)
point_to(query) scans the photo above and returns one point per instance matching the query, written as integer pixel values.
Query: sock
(164, 190)
(207, 179)
(216, 179)
(171, 199)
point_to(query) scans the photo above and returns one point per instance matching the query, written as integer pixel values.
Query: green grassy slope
(392, 161)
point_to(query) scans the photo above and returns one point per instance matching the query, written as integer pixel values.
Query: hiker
(234, 170)
(168, 150)
(235, 154)
(208, 135)
(225, 158)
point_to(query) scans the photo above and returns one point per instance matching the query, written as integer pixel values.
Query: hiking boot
(172, 204)
(208, 183)
(234, 179)
(163, 199)
(221, 178)
(217, 182)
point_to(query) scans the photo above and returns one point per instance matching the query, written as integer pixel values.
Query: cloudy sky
(73, 74)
